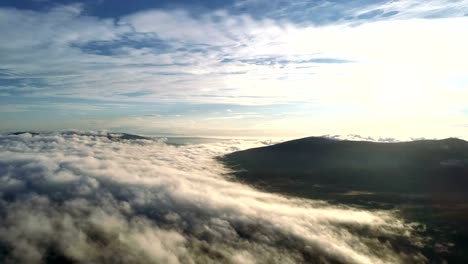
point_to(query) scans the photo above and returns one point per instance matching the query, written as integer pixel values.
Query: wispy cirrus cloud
(354, 11)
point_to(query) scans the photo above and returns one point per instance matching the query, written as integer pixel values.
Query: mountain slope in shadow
(408, 167)
(425, 181)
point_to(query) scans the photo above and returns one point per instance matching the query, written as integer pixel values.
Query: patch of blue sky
(119, 46)
(199, 48)
(17, 86)
(6, 82)
(390, 13)
(118, 8)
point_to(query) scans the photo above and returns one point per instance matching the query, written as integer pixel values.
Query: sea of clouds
(88, 198)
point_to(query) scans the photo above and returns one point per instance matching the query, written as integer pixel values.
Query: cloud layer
(89, 199)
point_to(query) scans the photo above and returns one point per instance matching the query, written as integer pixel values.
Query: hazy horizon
(188, 138)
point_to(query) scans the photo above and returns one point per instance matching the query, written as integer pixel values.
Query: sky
(236, 68)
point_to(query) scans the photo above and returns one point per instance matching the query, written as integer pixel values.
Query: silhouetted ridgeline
(111, 136)
(303, 164)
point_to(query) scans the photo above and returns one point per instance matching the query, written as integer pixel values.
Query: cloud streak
(88, 198)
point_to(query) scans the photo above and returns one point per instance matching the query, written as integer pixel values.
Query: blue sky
(236, 68)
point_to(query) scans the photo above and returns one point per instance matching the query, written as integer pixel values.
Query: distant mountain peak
(109, 135)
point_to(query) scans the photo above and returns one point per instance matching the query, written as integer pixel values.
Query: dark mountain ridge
(109, 135)
(416, 166)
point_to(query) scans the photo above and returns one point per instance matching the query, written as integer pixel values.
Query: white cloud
(91, 199)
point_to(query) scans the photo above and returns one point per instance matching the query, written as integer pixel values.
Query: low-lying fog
(89, 199)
